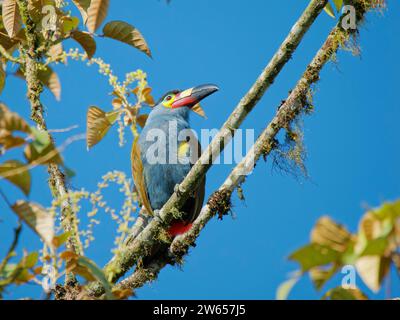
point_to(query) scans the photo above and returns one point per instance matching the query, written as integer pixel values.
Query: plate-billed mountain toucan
(162, 156)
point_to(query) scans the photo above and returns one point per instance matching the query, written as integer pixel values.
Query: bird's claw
(157, 216)
(177, 190)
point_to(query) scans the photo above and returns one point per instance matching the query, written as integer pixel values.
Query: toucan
(165, 151)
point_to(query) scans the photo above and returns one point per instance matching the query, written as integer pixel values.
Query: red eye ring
(168, 98)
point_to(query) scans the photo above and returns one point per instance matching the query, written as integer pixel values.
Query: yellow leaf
(11, 17)
(329, 233)
(96, 14)
(98, 123)
(329, 10)
(37, 218)
(11, 121)
(372, 270)
(50, 79)
(124, 32)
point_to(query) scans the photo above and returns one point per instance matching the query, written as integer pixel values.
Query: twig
(9, 255)
(45, 158)
(9, 57)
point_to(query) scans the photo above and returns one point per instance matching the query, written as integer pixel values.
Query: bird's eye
(168, 98)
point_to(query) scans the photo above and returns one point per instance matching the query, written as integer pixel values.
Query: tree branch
(57, 184)
(293, 106)
(128, 256)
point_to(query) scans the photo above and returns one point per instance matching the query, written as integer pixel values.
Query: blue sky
(352, 138)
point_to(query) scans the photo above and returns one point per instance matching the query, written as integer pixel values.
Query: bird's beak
(193, 96)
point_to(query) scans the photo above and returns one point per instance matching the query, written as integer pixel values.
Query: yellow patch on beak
(186, 93)
(199, 110)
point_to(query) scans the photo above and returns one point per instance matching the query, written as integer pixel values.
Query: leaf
(372, 270)
(98, 124)
(50, 79)
(11, 17)
(329, 10)
(148, 98)
(68, 255)
(30, 260)
(6, 41)
(83, 6)
(340, 293)
(122, 294)
(320, 276)
(37, 218)
(124, 32)
(8, 141)
(338, 4)
(2, 78)
(314, 255)
(328, 233)
(49, 154)
(284, 289)
(97, 273)
(86, 268)
(41, 139)
(22, 179)
(58, 241)
(11, 121)
(86, 41)
(141, 120)
(69, 24)
(96, 14)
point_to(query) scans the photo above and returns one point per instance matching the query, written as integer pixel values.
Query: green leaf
(69, 24)
(320, 276)
(124, 32)
(329, 10)
(41, 139)
(30, 260)
(98, 274)
(17, 173)
(338, 4)
(314, 255)
(37, 218)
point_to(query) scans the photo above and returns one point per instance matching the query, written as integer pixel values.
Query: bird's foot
(157, 217)
(177, 190)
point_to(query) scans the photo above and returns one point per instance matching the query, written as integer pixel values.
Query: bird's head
(189, 98)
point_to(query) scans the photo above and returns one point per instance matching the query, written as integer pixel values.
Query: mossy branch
(31, 54)
(219, 202)
(138, 247)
